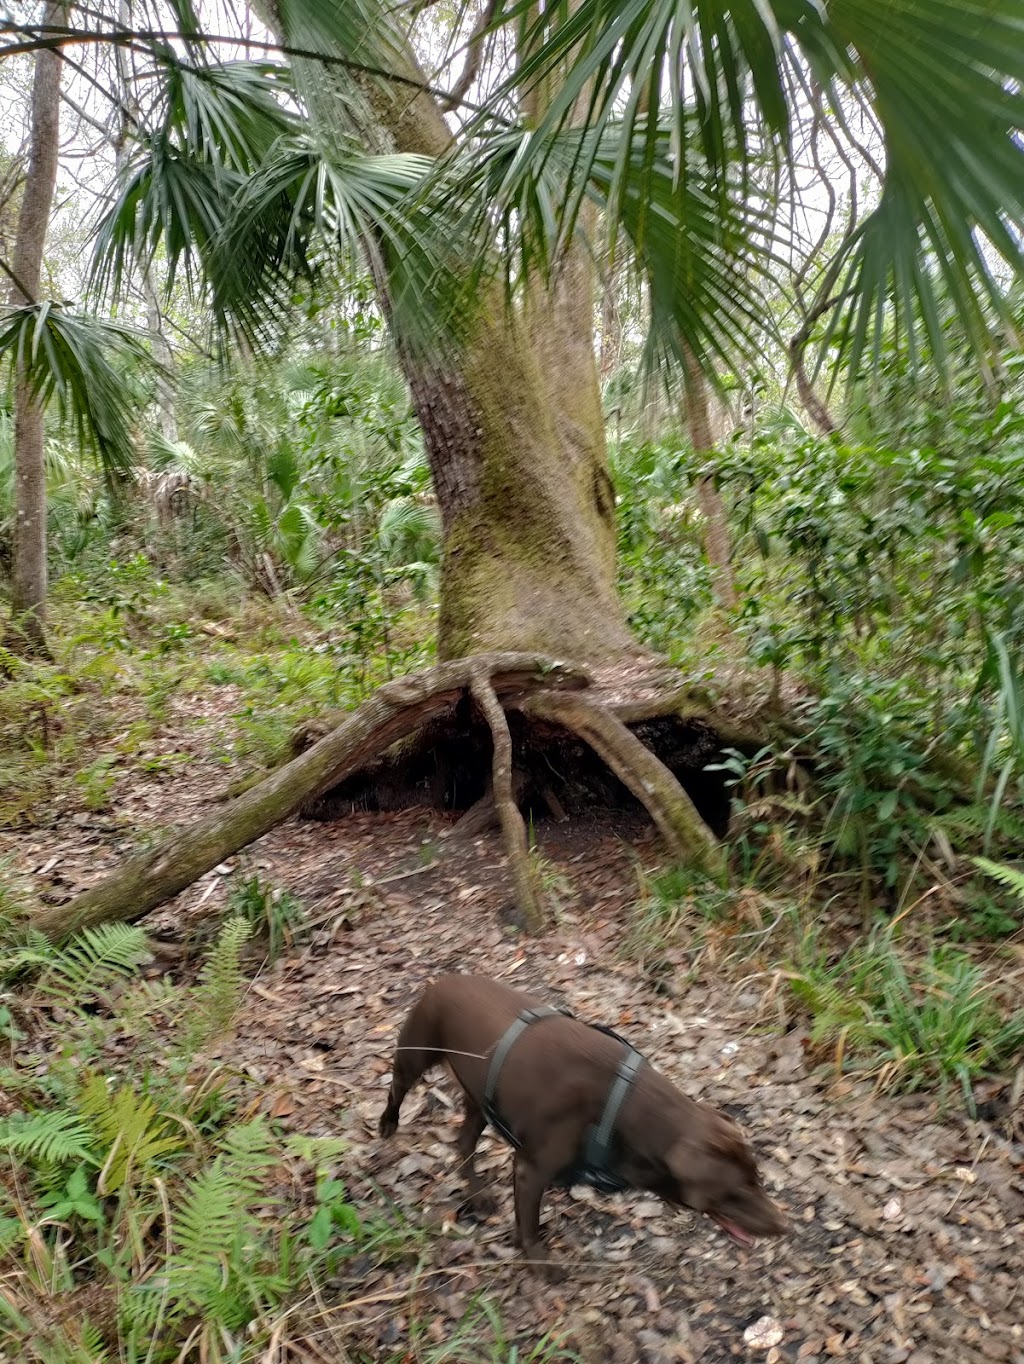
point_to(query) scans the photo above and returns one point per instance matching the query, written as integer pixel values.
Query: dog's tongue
(737, 1233)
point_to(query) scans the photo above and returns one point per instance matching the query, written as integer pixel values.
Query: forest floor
(907, 1217)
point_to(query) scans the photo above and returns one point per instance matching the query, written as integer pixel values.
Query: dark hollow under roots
(447, 766)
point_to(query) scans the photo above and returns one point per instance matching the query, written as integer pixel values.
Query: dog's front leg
(478, 1198)
(529, 1183)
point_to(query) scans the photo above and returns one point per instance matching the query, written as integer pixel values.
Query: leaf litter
(907, 1221)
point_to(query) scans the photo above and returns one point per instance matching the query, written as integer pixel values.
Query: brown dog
(551, 1088)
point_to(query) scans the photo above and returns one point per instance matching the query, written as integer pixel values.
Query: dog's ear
(727, 1141)
(695, 1172)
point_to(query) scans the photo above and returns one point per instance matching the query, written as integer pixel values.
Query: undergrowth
(906, 1007)
(148, 1211)
(136, 660)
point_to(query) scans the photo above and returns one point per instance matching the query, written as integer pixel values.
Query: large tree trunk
(28, 592)
(515, 438)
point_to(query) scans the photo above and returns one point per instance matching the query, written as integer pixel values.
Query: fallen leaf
(763, 1334)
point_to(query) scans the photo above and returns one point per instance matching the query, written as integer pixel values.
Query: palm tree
(671, 120)
(511, 414)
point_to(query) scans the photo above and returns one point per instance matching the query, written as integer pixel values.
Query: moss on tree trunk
(514, 433)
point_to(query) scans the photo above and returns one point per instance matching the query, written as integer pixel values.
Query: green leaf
(79, 362)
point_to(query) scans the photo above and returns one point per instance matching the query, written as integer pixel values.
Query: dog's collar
(596, 1165)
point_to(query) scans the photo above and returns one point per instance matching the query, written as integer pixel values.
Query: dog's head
(714, 1172)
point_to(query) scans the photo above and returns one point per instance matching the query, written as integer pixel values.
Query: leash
(596, 1165)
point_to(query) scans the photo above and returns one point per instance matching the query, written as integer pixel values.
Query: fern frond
(221, 982)
(92, 961)
(52, 1136)
(128, 1128)
(1011, 877)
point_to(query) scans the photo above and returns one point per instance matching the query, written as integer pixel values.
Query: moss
(526, 565)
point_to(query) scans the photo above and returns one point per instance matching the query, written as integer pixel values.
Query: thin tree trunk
(29, 585)
(164, 388)
(717, 545)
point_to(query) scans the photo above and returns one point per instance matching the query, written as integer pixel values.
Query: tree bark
(166, 405)
(29, 580)
(512, 827)
(394, 711)
(717, 547)
(514, 434)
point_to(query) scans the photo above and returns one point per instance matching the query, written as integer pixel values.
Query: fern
(218, 1267)
(90, 963)
(128, 1128)
(1010, 877)
(221, 982)
(52, 1136)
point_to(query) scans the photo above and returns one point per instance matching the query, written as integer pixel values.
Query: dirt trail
(906, 1245)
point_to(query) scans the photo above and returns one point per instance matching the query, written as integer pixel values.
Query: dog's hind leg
(412, 1059)
(478, 1198)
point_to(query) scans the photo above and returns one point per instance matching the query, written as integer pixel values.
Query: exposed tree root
(512, 827)
(394, 711)
(672, 810)
(423, 738)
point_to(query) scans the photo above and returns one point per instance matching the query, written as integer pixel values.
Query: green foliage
(931, 1019)
(83, 970)
(273, 912)
(128, 1126)
(191, 1227)
(83, 363)
(52, 1137)
(666, 909)
(1009, 876)
(221, 982)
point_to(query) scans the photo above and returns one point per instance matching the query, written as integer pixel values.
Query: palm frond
(943, 79)
(407, 521)
(306, 208)
(704, 238)
(83, 363)
(213, 125)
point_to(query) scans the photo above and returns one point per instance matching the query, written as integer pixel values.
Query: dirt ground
(907, 1221)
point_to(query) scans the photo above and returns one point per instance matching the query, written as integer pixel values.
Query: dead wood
(394, 711)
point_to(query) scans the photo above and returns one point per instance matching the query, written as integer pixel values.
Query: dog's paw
(483, 1203)
(388, 1125)
(477, 1206)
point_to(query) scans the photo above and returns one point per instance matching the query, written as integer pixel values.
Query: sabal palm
(728, 81)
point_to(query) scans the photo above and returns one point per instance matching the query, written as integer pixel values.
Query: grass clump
(927, 1020)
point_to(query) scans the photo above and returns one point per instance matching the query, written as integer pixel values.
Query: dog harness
(595, 1164)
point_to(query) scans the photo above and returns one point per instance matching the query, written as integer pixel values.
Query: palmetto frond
(211, 126)
(944, 79)
(705, 240)
(303, 207)
(84, 364)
